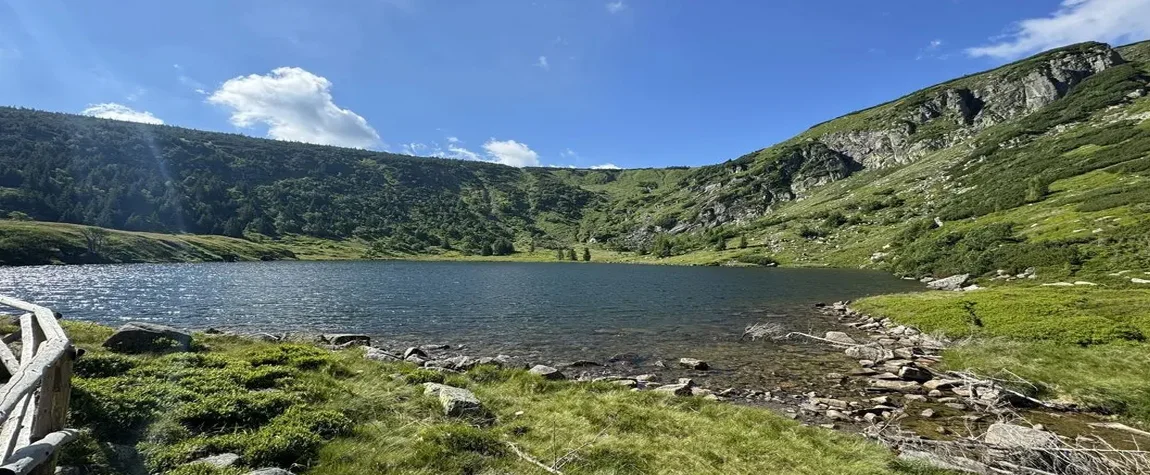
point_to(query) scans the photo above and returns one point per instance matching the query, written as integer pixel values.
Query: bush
(756, 259)
(103, 365)
(244, 409)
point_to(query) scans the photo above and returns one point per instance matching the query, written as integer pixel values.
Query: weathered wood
(25, 459)
(34, 402)
(9, 359)
(12, 428)
(52, 410)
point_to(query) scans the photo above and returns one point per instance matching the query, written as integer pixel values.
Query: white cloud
(616, 6)
(295, 105)
(1075, 21)
(510, 152)
(605, 166)
(111, 110)
(453, 140)
(934, 44)
(542, 63)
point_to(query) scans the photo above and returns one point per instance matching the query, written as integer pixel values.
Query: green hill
(1039, 163)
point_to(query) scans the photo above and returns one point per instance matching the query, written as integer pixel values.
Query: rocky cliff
(893, 134)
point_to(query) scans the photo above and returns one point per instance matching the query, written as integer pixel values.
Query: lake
(550, 311)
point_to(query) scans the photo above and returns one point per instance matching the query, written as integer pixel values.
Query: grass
(1083, 345)
(317, 411)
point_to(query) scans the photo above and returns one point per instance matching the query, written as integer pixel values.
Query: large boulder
(148, 338)
(676, 389)
(455, 401)
(1014, 436)
(840, 337)
(954, 282)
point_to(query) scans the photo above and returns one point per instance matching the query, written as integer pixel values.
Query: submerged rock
(148, 338)
(348, 339)
(692, 363)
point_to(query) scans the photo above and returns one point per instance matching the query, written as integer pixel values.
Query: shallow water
(548, 311)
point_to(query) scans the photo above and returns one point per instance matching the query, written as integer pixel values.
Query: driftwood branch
(523, 455)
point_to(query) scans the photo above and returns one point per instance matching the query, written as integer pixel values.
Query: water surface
(554, 311)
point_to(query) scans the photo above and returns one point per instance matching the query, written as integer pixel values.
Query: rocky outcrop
(969, 106)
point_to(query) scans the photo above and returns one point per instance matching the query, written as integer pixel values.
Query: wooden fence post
(52, 411)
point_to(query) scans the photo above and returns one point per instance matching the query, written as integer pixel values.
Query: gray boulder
(692, 363)
(1014, 436)
(869, 353)
(220, 460)
(840, 337)
(414, 351)
(148, 338)
(676, 389)
(346, 339)
(954, 282)
(893, 385)
(455, 401)
(373, 353)
(547, 372)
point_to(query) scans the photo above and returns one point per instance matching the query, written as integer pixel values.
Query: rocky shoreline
(894, 394)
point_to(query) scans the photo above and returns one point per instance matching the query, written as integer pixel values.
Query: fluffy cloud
(605, 166)
(510, 152)
(616, 6)
(111, 110)
(542, 63)
(296, 105)
(1112, 21)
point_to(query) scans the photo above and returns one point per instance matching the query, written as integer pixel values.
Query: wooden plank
(52, 410)
(10, 435)
(26, 459)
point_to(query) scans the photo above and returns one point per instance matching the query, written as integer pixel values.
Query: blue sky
(630, 83)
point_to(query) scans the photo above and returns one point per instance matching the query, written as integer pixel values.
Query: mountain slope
(1060, 135)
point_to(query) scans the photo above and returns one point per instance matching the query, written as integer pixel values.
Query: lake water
(553, 311)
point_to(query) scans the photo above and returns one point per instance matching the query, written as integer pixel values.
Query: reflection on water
(560, 311)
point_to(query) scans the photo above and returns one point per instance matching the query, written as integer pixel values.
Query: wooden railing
(34, 401)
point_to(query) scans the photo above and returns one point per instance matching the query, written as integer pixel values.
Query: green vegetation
(1083, 345)
(293, 405)
(1034, 182)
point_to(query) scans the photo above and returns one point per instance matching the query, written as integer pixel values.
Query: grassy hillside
(1055, 183)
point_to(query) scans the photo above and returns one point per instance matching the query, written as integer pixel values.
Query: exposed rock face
(997, 99)
(893, 134)
(147, 338)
